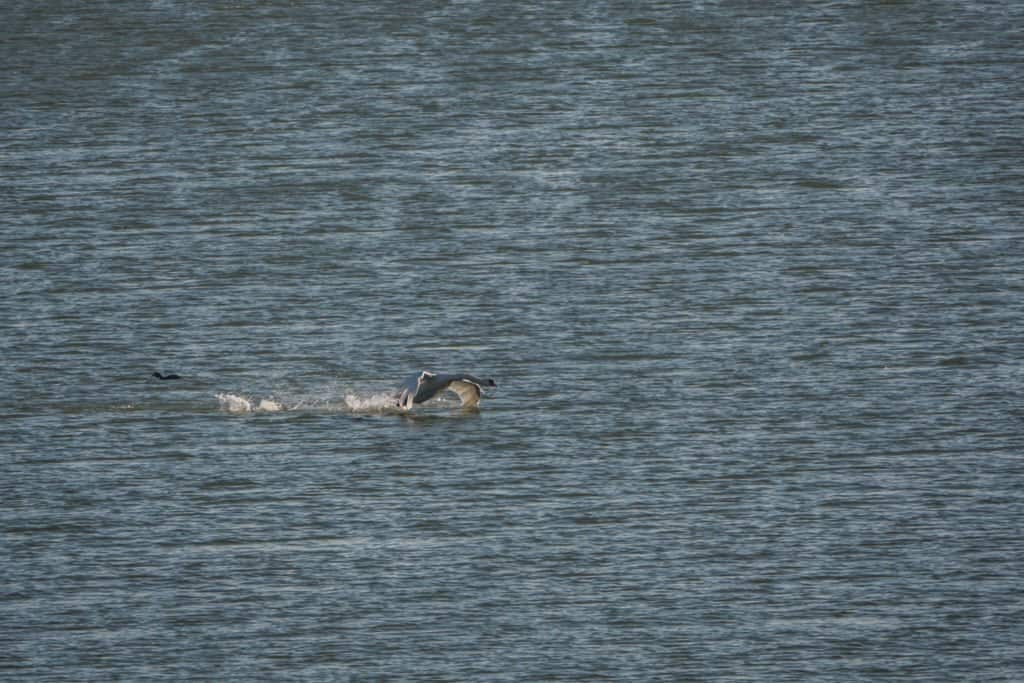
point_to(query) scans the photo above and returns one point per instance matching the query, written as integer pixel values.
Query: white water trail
(236, 403)
(351, 401)
(371, 403)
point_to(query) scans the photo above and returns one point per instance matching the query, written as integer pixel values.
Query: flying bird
(425, 385)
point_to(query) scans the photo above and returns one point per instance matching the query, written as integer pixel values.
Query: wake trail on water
(349, 402)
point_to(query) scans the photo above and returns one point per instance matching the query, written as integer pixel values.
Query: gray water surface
(748, 276)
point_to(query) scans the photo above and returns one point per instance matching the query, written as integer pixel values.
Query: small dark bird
(169, 375)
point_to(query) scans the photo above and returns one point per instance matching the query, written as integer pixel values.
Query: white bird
(425, 385)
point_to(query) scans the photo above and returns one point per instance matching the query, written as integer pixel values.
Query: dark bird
(169, 375)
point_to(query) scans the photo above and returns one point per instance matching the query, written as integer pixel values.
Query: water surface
(748, 278)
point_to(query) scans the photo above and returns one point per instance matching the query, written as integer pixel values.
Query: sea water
(748, 277)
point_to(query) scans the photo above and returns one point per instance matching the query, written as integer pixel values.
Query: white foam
(351, 402)
(234, 403)
(269, 405)
(371, 403)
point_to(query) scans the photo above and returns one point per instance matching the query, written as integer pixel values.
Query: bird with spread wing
(425, 385)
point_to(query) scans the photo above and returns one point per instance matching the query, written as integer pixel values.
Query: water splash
(349, 402)
(235, 403)
(332, 398)
(371, 403)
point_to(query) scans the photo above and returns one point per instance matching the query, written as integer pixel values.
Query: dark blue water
(748, 276)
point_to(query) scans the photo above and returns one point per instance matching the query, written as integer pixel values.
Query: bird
(169, 375)
(424, 385)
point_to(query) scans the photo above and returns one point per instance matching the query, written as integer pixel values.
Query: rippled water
(748, 277)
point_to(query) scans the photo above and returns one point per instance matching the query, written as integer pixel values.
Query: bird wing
(411, 383)
(411, 388)
(469, 392)
(405, 398)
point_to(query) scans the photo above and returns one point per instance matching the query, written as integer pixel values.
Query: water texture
(748, 276)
